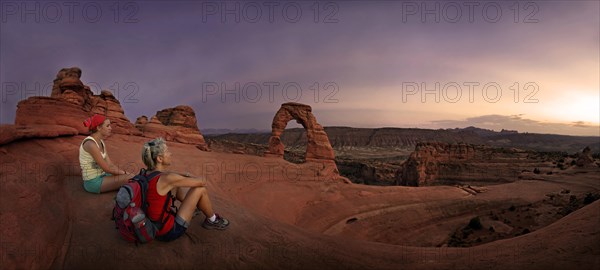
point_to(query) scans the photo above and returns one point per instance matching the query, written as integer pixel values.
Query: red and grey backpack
(129, 212)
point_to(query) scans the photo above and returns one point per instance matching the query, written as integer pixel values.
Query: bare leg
(196, 197)
(180, 193)
(114, 182)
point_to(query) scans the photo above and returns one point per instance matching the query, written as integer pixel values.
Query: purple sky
(361, 64)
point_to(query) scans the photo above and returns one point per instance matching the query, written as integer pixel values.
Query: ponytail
(151, 150)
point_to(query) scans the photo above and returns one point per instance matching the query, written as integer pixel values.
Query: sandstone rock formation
(182, 116)
(318, 149)
(67, 78)
(141, 121)
(68, 86)
(585, 158)
(108, 105)
(421, 168)
(51, 111)
(9, 133)
(177, 124)
(442, 163)
(70, 103)
(282, 218)
(318, 146)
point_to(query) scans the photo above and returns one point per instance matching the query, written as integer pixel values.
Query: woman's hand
(116, 171)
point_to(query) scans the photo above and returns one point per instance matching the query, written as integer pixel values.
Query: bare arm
(110, 163)
(106, 166)
(108, 158)
(172, 180)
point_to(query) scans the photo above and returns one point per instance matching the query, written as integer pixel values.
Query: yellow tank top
(89, 167)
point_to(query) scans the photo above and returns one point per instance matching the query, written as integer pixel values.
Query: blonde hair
(151, 150)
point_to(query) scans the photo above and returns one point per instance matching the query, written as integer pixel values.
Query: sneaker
(219, 224)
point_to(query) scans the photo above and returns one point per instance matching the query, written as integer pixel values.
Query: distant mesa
(71, 102)
(348, 138)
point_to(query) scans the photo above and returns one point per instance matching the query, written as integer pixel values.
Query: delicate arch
(318, 146)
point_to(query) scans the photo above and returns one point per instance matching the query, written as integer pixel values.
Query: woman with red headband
(98, 172)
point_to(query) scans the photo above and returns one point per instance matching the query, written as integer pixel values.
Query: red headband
(94, 121)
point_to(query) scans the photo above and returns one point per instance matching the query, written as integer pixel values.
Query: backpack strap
(144, 185)
(161, 222)
(149, 178)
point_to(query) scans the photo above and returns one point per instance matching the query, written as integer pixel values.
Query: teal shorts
(93, 185)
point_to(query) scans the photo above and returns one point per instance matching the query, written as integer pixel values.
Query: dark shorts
(179, 228)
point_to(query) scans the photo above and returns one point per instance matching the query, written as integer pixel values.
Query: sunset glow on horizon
(531, 67)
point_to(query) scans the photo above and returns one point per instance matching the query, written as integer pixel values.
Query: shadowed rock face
(442, 163)
(422, 167)
(70, 103)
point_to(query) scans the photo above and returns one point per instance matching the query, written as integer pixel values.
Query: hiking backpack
(129, 212)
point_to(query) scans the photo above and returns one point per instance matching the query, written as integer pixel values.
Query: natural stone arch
(318, 146)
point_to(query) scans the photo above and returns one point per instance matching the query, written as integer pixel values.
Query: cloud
(170, 52)
(521, 124)
(582, 124)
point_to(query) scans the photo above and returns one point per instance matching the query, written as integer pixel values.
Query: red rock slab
(9, 133)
